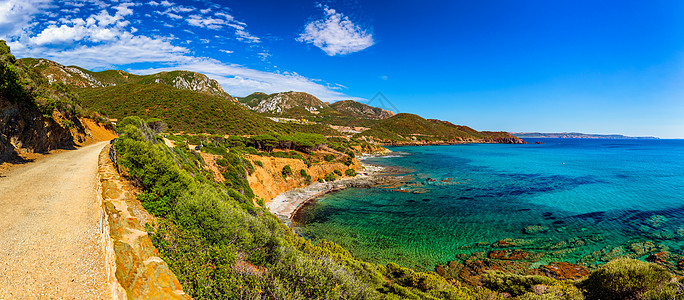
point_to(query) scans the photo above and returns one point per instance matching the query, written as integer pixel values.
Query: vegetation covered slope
(80, 77)
(221, 246)
(35, 115)
(410, 128)
(185, 110)
(288, 104)
(359, 110)
(303, 105)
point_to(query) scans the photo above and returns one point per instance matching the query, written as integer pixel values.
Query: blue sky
(551, 66)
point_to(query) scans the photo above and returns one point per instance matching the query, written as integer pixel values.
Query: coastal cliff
(267, 181)
(496, 140)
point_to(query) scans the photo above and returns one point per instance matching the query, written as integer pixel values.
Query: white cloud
(96, 28)
(245, 36)
(166, 3)
(336, 34)
(225, 16)
(125, 50)
(16, 15)
(226, 51)
(182, 9)
(206, 22)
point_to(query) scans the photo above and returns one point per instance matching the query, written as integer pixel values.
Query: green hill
(78, 77)
(410, 128)
(185, 110)
(359, 110)
(287, 104)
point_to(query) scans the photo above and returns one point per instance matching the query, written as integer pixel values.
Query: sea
(575, 200)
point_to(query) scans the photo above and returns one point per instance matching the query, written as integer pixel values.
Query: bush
(303, 173)
(329, 157)
(627, 278)
(258, 163)
(350, 172)
(330, 177)
(338, 172)
(513, 284)
(287, 171)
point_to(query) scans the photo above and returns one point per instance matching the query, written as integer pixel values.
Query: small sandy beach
(286, 204)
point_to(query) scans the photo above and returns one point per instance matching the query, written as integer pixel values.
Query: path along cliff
(50, 228)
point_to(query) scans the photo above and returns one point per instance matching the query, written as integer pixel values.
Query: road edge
(134, 268)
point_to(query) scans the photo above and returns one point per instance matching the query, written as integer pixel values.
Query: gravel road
(49, 228)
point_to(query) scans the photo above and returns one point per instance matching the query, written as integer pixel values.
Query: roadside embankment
(134, 268)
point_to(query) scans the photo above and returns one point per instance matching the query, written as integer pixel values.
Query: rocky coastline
(502, 140)
(289, 203)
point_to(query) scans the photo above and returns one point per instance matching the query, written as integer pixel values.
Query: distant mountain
(80, 78)
(412, 129)
(303, 105)
(288, 104)
(576, 135)
(191, 102)
(360, 110)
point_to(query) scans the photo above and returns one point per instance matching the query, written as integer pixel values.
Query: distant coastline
(577, 135)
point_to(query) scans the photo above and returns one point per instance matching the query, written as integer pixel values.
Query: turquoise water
(598, 198)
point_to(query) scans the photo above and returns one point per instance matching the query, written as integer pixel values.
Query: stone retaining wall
(134, 267)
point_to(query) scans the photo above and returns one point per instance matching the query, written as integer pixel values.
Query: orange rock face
(267, 181)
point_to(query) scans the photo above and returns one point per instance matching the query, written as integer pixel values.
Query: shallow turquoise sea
(591, 200)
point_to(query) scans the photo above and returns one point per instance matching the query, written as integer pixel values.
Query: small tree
(287, 171)
(350, 172)
(330, 177)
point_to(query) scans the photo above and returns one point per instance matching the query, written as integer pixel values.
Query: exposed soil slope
(50, 220)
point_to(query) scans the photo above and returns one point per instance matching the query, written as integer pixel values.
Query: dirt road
(49, 228)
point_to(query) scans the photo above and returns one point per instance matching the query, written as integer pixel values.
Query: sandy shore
(288, 203)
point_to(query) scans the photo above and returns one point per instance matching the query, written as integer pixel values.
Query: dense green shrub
(329, 157)
(513, 284)
(350, 172)
(287, 171)
(258, 163)
(627, 278)
(338, 172)
(150, 167)
(330, 177)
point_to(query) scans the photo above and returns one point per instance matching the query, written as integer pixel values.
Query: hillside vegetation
(78, 77)
(359, 110)
(384, 126)
(410, 128)
(185, 110)
(220, 246)
(288, 104)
